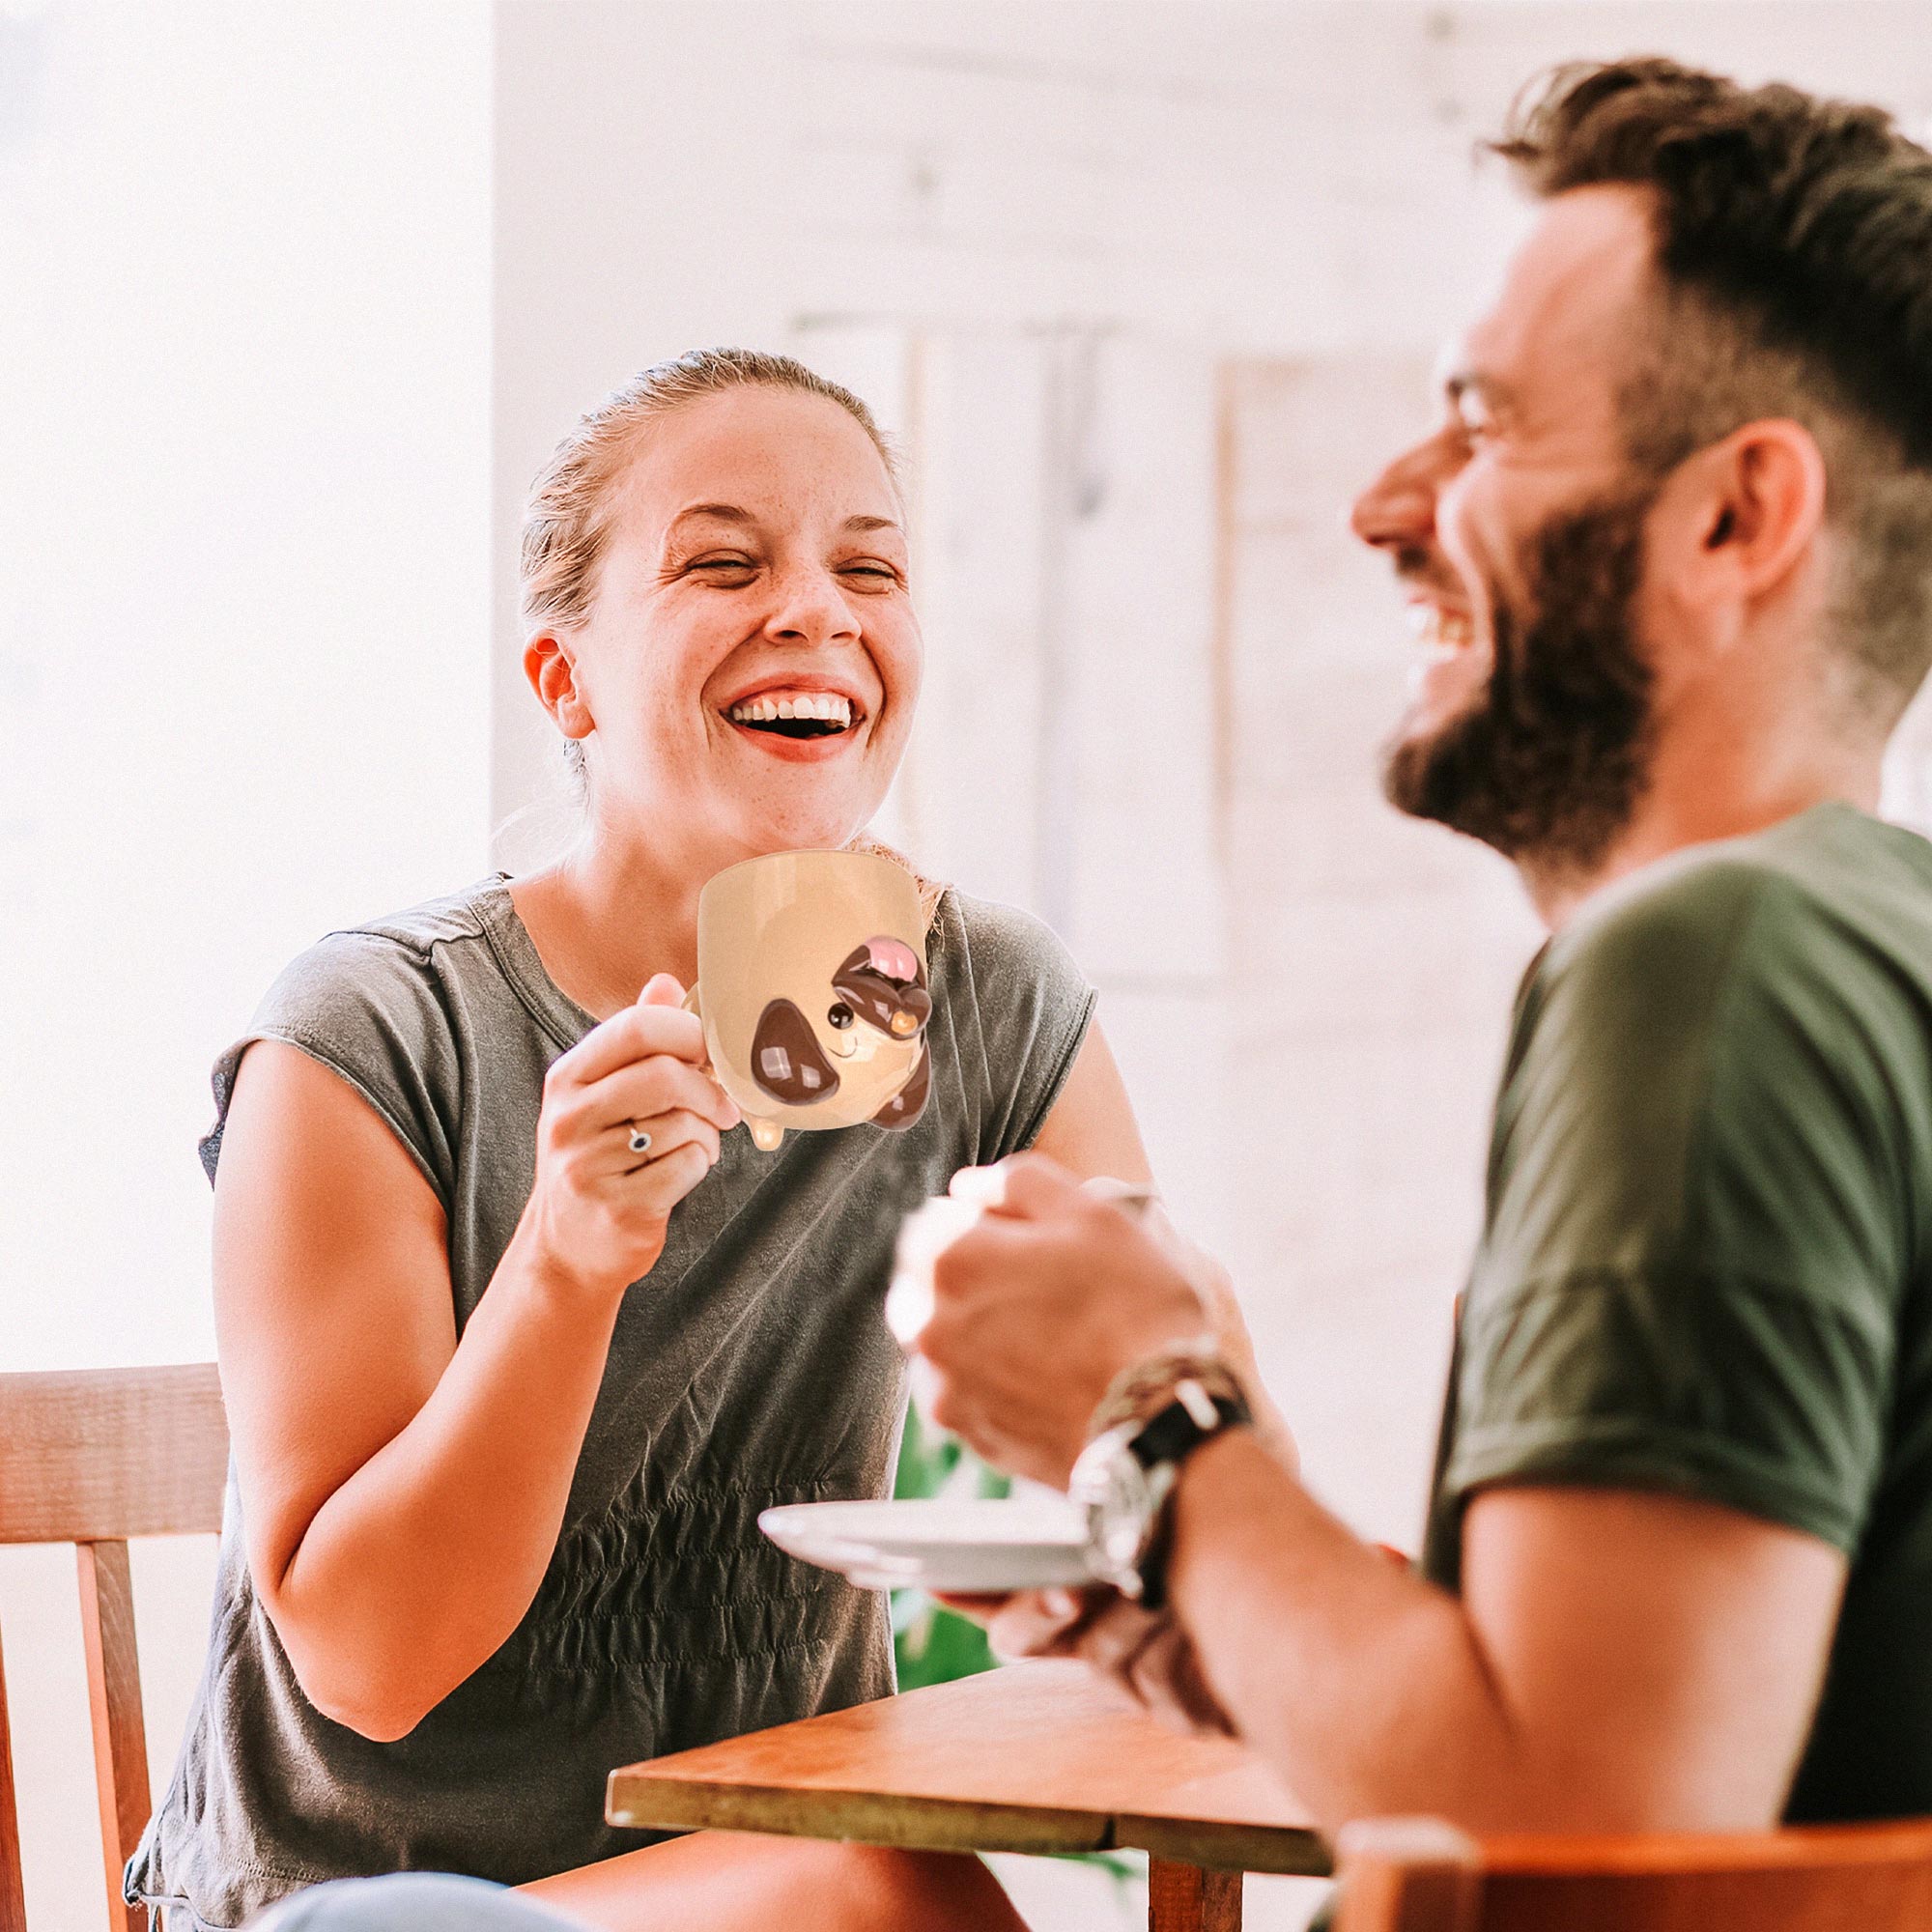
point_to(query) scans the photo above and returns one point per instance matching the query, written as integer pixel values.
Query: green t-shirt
(1707, 1260)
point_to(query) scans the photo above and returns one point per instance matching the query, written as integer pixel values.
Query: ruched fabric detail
(692, 1579)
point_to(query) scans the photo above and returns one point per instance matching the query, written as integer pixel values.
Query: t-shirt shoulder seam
(461, 910)
(417, 948)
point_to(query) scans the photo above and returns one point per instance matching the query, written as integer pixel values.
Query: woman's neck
(605, 918)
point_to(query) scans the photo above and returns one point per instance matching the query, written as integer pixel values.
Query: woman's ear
(551, 670)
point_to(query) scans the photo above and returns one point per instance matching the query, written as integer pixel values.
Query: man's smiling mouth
(794, 714)
(1439, 631)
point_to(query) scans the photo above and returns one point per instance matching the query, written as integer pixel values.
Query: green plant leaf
(935, 1645)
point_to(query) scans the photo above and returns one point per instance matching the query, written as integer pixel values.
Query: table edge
(645, 1802)
(639, 1799)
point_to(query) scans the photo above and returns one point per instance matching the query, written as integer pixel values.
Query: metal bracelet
(1139, 1393)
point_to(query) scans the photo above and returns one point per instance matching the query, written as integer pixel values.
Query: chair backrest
(93, 1458)
(1420, 1875)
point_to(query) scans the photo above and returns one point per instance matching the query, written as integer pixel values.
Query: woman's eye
(878, 570)
(739, 563)
(840, 1015)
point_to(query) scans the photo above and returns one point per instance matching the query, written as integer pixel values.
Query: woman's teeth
(1435, 629)
(817, 712)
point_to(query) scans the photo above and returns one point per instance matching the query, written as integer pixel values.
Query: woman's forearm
(1362, 1685)
(416, 1568)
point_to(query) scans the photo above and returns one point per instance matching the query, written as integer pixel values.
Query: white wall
(243, 678)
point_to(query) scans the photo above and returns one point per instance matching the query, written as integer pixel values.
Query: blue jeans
(409, 1902)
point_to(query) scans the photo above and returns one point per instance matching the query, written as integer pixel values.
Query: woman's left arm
(1089, 1130)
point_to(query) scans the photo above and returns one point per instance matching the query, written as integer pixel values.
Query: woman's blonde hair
(567, 514)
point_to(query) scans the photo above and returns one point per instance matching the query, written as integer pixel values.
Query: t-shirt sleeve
(1021, 1010)
(369, 1009)
(1699, 1233)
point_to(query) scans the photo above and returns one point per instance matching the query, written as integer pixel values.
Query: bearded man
(1672, 541)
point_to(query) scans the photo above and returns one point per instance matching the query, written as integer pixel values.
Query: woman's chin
(820, 830)
(817, 817)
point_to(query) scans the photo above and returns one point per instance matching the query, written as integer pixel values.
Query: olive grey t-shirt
(750, 1367)
(1706, 1266)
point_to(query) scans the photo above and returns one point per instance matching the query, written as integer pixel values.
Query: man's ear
(552, 670)
(1760, 505)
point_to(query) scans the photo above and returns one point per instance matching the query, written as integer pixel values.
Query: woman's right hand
(597, 1213)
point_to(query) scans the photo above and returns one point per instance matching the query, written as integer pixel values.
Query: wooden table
(1037, 1757)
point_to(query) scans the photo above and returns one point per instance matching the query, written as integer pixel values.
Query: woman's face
(748, 673)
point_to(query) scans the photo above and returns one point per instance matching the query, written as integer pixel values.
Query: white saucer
(939, 1543)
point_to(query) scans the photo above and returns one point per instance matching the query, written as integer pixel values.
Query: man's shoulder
(1832, 886)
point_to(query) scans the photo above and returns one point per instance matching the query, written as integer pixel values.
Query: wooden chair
(1420, 1875)
(92, 1459)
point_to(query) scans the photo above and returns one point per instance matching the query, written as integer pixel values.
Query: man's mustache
(1419, 569)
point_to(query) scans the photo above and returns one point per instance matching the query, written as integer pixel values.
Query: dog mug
(811, 986)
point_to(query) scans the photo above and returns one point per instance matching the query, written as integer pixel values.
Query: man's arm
(1619, 1660)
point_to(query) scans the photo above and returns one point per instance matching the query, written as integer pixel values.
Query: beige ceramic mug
(812, 984)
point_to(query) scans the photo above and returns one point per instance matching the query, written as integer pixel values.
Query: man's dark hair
(1794, 251)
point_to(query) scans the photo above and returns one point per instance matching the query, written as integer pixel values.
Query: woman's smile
(813, 750)
(800, 719)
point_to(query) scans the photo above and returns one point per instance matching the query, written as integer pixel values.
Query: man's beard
(1548, 764)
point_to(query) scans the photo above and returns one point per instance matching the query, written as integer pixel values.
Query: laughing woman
(507, 1397)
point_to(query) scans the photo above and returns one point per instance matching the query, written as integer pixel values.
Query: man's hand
(1143, 1654)
(1024, 1297)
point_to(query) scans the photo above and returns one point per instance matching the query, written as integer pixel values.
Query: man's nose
(1397, 511)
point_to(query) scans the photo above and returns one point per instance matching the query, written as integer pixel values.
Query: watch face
(1122, 1513)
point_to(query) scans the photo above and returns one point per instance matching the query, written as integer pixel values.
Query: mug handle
(692, 1004)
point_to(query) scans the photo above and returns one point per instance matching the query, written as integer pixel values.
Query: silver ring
(640, 1142)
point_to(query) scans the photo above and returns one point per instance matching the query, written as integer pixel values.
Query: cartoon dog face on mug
(805, 1028)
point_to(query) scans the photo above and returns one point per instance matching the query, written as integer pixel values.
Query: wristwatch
(1126, 1473)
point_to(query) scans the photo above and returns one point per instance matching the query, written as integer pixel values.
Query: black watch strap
(1174, 1432)
(1171, 1436)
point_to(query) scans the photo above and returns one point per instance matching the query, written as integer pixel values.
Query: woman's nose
(810, 609)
